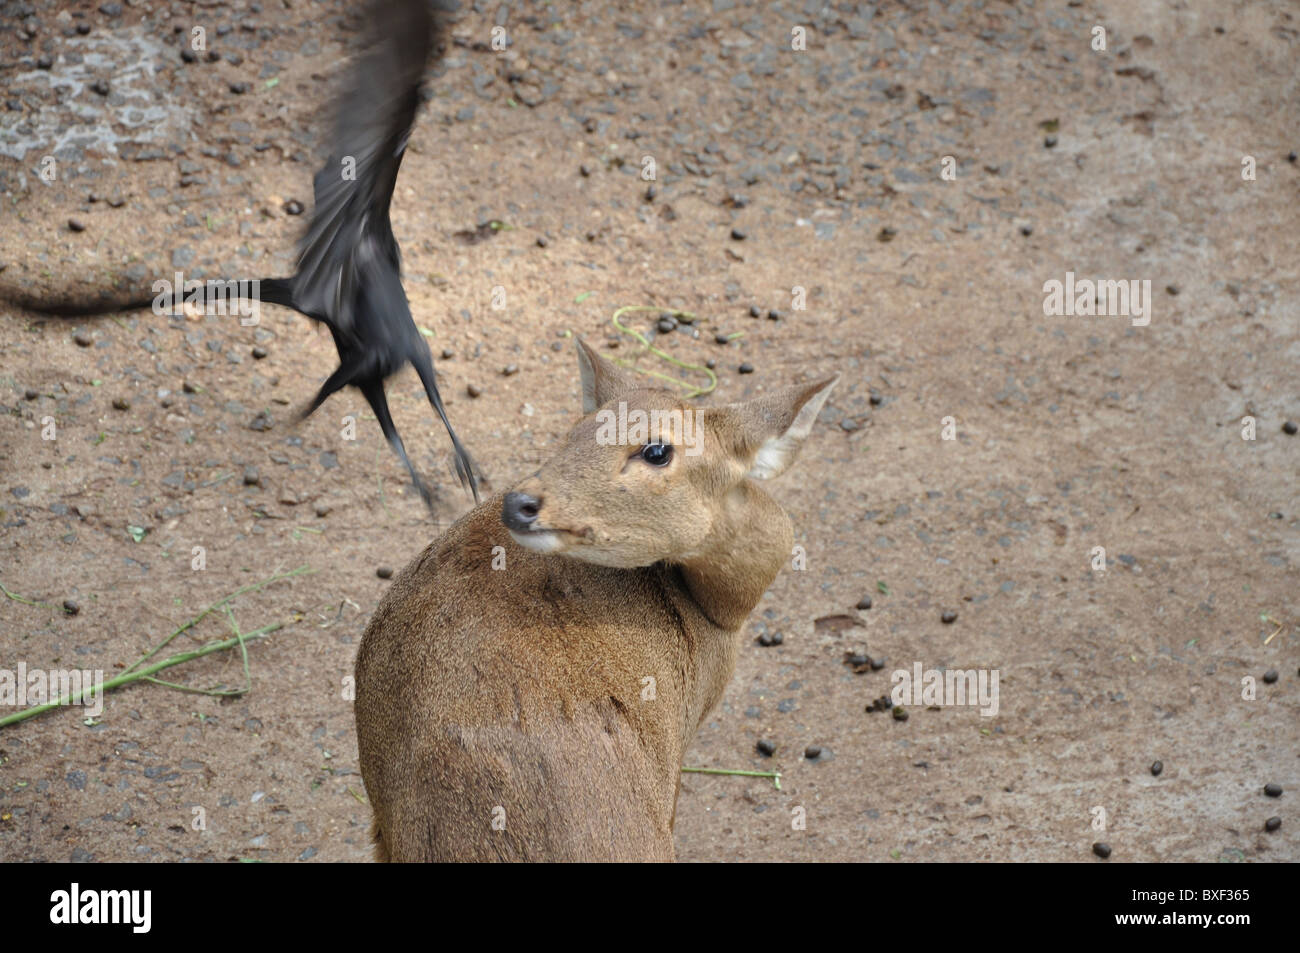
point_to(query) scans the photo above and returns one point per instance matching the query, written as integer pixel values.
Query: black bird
(349, 266)
(349, 273)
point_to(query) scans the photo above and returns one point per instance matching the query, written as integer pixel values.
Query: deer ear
(602, 380)
(773, 427)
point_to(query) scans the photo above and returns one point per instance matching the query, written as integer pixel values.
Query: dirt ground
(925, 293)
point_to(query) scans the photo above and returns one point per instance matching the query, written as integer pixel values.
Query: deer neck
(748, 543)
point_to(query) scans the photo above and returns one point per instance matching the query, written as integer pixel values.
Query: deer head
(643, 477)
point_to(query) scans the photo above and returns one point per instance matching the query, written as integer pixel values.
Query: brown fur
(520, 693)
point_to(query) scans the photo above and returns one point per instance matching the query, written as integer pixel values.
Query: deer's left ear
(773, 427)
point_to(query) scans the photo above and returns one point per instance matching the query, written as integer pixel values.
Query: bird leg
(346, 373)
(464, 465)
(373, 390)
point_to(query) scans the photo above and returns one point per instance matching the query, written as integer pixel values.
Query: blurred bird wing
(350, 227)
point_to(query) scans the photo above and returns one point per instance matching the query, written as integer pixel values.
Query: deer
(527, 687)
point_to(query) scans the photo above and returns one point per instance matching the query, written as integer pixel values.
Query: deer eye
(657, 454)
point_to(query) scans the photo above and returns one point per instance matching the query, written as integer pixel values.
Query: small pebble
(755, 311)
(1290, 428)
(251, 476)
(31, 394)
(188, 55)
(121, 403)
(71, 608)
(766, 748)
(239, 88)
(384, 572)
(472, 390)
(1270, 676)
(746, 368)
(738, 235)
(323, 509)
(76, 225)
(1272, 824)
(857, 661)
(510, 369)
(1156, 768)
(775, 315)
(877, 663)
(812, 751)
(900, 713)
(1273, 789)
(1101, 850)
(259, 353)
(948, 618)
(100, 86)
(667, 325)
(1049, 142)
(45, 61)
(293, 207)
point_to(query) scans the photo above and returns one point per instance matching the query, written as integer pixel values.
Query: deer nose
(519, 511)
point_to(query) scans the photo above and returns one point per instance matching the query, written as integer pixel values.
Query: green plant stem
(30, 602)
(774, 775)
(691, 391)
(252, 587)
(231, 693)
(127, 677)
